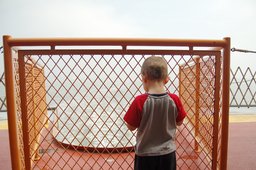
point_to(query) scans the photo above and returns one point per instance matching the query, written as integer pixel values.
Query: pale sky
(198, 19)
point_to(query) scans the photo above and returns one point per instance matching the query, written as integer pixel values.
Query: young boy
(156, 115)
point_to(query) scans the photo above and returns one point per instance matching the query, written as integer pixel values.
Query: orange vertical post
(180, 80)
(197, 104)
(216, 112)
(11, 105)
(25, 128)
(225, 104)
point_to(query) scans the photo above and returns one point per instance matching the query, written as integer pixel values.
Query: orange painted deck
(241, 152)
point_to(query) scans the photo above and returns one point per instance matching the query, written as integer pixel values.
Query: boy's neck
(156, 88)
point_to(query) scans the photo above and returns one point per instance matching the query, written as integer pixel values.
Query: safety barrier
(36, 108)
(200, 89)
(243, 88)
(2, 97)
(88, 85)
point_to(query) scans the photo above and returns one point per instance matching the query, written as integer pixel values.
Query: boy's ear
(144, 78)
(166, 79)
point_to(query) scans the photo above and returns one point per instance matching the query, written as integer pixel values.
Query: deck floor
(241, 151)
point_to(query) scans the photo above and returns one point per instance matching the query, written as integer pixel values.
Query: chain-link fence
(243, 87)
(87, 92)
(2, 95)
(2, 84)
(200, 89)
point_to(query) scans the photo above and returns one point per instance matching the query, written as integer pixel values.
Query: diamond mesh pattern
(36, 104)
(242, 90)
(19, 114)
(2, 94)
(2, 86)
(76, 105)
(197, 92)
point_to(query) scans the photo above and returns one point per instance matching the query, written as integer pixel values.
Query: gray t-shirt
(155, 116)
(156, 133)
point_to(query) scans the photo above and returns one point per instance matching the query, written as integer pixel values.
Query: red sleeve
(134, 114)
(181, 112)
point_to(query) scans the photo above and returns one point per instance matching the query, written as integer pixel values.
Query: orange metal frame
(124, 45)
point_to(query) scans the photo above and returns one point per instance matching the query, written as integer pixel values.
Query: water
(242, 110)
(93, 121)
(3, 116)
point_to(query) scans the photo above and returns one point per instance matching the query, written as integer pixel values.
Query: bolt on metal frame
(18, 102)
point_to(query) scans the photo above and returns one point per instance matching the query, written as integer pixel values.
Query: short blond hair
(155, 68)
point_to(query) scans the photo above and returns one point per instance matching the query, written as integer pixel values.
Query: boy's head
(154, 68)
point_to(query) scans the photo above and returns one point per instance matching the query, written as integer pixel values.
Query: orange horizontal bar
(114, 42)
(115, 52)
